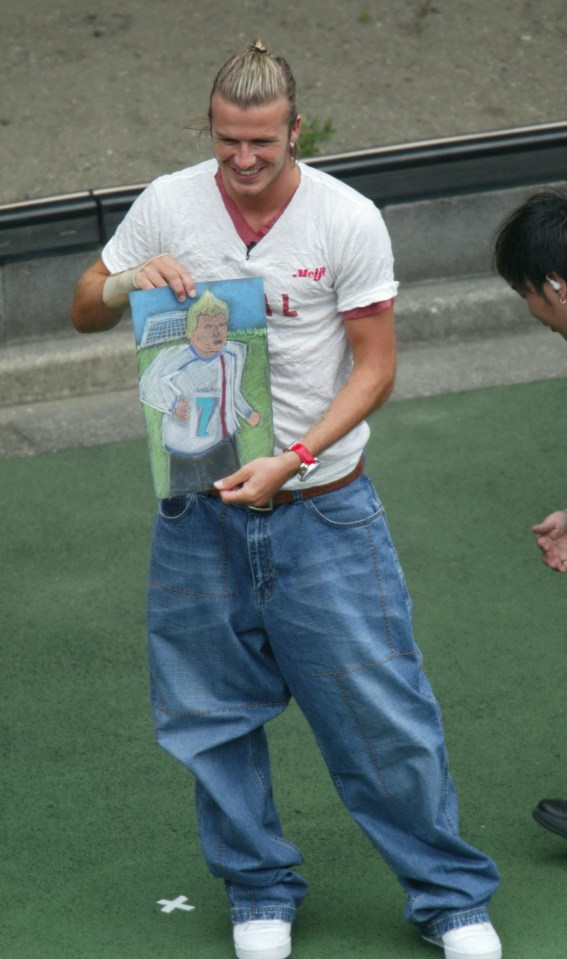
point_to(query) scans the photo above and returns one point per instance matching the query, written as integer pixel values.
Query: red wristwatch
(309, 463)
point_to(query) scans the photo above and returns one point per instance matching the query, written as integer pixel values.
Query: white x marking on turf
(170, 904)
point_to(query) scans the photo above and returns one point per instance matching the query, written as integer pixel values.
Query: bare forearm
(257, 481)
(361, 395)
(89, 312)
(101, 298)
(373, 344)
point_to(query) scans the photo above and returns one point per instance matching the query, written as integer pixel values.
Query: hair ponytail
(254, 78)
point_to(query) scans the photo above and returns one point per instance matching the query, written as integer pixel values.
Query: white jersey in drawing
(210, 386)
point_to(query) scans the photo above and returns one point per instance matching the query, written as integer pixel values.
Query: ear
(295, 129)
(557, 283)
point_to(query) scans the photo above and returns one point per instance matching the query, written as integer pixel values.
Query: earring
(563, 300)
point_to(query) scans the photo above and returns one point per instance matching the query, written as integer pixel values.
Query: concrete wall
(433, 240)
(35, 295)
(443, 252)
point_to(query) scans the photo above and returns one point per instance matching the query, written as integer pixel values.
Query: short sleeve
(138, 236)
(365, 270)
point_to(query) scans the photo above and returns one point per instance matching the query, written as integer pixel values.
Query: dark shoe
(552, 813)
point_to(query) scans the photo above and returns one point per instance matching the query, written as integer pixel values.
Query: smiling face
(252, 146)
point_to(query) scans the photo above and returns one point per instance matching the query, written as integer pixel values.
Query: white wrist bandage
(118, 285)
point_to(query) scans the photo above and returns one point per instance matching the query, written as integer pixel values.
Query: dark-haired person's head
(530, 253)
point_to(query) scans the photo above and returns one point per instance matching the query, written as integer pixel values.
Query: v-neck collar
(246, 233)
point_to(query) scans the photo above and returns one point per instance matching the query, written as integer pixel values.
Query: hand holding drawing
(164, 270)
(551, 536)
(256, 482)
(101, 297)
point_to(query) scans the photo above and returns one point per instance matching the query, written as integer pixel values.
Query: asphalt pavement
(96, 95)
(100, 94)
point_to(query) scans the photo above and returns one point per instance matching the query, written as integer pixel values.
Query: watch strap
(309, 463)
(304, 454)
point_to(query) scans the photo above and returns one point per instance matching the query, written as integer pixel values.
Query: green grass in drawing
(204, 382)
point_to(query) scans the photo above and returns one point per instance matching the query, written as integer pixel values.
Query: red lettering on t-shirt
(286, 309)
(285, 306)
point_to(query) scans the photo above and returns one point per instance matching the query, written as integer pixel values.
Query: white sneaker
(478, 941)
(262, 939)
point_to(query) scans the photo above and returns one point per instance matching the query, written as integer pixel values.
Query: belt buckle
(263, 509)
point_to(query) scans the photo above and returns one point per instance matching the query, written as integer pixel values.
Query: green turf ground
(98, 823)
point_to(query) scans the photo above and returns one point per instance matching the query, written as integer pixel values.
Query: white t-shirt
(328, 252)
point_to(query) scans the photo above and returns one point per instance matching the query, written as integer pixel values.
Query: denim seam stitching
(383, 605)
(373, 759)
(456, 920)
(216, 712)
(452, 826)
(220, 843)
(225, 594)
(380, 662)
(224, 556)
(357, 524)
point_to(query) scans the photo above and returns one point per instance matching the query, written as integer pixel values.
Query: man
(531, 255)
(289, 583)
(197, 388)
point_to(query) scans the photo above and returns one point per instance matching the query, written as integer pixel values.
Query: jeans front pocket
(176, 507)
(190, 549)
(354, 505)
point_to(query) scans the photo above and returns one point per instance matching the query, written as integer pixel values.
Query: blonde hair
(207, 305)
(254, 77)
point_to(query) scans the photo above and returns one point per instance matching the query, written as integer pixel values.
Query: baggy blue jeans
(247, 608)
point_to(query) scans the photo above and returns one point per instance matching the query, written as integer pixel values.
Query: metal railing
(388, 175)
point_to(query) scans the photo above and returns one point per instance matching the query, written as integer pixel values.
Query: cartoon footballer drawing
(197, 387)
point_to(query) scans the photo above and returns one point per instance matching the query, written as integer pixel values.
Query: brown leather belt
(289, 496)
